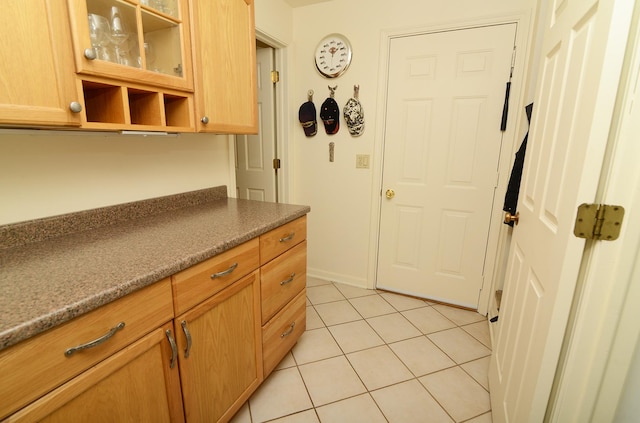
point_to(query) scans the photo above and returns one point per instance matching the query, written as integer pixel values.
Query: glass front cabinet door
(133, 62)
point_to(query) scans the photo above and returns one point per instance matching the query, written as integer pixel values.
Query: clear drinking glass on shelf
(100, 34)
(168, 7)
(149, 54)
(119, 37)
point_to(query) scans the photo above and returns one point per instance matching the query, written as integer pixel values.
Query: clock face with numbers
(333, 55)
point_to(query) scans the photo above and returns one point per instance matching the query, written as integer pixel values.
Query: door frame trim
(510, 141)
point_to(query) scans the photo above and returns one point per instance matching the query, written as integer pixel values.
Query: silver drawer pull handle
(293, 275)
(187, 334)
(225, 272)
(95, 342)
(174, 349)
(288, 237)
(288, 331)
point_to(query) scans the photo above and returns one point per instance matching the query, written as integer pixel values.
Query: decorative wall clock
(333, 55)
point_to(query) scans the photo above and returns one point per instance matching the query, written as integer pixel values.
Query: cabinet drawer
(39, 364)
(283, 331)
(282, 279)
(279, 240)
(134, 384)
(199, 282)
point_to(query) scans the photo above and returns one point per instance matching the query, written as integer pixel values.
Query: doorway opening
(257, 157)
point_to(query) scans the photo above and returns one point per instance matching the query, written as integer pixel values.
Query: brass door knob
(508, 218)
(390, 193)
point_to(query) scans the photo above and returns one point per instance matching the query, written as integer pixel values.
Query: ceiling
(300, 3)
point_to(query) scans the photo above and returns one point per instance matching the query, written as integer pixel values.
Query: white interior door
(441, 150)
(581, 60)
(255, 175)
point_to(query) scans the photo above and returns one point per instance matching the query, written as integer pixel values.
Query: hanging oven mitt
(353, 114)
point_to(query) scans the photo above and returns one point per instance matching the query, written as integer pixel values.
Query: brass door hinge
(275, 76)
(276, 163)
(598, 221)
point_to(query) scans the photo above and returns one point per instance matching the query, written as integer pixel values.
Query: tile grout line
(385, 344)
(415, 377)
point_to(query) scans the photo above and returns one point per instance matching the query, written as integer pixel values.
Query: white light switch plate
(362, 161)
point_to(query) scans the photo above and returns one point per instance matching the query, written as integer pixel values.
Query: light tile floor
(373, 356)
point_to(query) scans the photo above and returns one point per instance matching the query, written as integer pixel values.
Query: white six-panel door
(442, 144)
(580, 66)
(255, 176)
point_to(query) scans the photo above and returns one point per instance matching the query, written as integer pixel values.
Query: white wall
(341, 196)
(46, 173)
(275, 18)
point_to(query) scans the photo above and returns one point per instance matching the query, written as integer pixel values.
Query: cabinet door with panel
(37, 85)
(133, 60)
(225, 66)
(220, 351)
(39, 364)
(138, 384)
(144, 41)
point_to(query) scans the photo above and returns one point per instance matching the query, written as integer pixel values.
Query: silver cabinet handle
(205, 119)
(90, 54)
(75, 107)
(225, 272)
(187, 334)
(174, 348)
(286, 281)
(288, 237)
(288, 331)
(95, 342)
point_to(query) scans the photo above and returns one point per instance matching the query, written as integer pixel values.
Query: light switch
(362, 161)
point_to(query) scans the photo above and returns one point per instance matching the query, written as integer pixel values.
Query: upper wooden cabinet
(37, 84)
(133, 60)
(129, 65)
(225, 64)
(146, 41)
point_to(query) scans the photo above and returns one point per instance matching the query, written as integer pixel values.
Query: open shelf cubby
(104, 103)
(136, 107)
(145, 107)
(177, 111)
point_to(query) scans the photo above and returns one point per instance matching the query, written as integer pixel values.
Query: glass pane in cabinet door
(162, 44)
(113, 31)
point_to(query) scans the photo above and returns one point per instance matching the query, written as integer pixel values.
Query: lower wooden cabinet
(221, 351)
(133, 361)
(137, 384)
(40, 364)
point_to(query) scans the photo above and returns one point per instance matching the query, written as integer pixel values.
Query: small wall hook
(356, 91)
(310, 95)
(332, 91)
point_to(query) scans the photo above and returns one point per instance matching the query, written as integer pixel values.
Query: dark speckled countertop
(54, 269)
